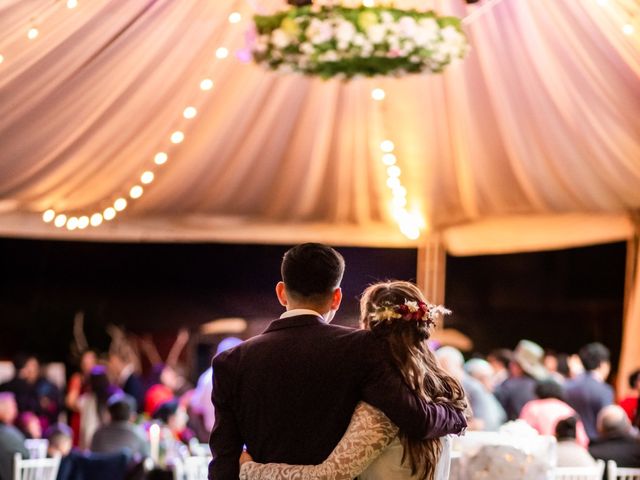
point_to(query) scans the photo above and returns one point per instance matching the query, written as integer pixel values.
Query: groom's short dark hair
(312, 271)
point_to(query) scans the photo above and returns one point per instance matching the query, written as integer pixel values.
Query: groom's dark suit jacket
(289, 393)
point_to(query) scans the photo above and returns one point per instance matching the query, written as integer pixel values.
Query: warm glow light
(389, 159)
(72, 223)
(72, 4)
(48, 216)
(96, 219)
(147, 177)
(628, 29)
(177, 137)
(235, 17)
(400, 202)
(393, 182)
(109, 213)
(160, 158)
(377, 94)
(33, 33)
(399, 191)
(60, 220)
(387, 146)
(410, 230)
(136, 191)
(368, 3)
(602, 2)
(190, 112)
(393, 171)
(1, 58)
(120, 204)
(83, 222)
(206, 84)
(222, 52)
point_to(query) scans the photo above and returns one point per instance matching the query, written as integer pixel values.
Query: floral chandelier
(356, 39)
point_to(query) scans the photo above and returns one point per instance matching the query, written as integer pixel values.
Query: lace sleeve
(369, 432)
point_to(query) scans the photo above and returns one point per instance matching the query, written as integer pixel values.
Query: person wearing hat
(525, 370)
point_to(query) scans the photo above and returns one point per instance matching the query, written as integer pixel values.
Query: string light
(235, 17)
(83, 222)
(1, 58)
(120, 204)
(189, 112)
(378, 94)
(48, 216)
(71, 4)
(60, 220)
(72, 223)
(160, 158)
(109, 213)
(177, 137)
(33, 33)
(387, 146)
(389, 159)
(222, 53)
(135, 192)
(368, 3)
(628, 29)
(147, 177)
(96, 219)
(206, 84)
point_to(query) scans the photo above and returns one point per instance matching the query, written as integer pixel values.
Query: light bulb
(368, 3)
(393, 171)
(72, 4)
(627, 29)
(83, 222)
(136, 191)
(109, 213)
(72, 223)
(1, 58)
(235, 17)
(96, 219)
(120, 204)
(177, 137)
(222, 53)
(378, 94)
(409, 230)
(399, 191)
(206, 84)
(33, 33)
(399, 202)
(160, 158)
(387, 146)
(147, 177)
(389, 159)
(189, 112)
(393, 182)
(48, 216)
(60, 220)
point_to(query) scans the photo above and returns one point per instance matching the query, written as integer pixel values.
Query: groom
(288, 394)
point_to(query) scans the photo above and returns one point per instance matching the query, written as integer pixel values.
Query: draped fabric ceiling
(532, 142)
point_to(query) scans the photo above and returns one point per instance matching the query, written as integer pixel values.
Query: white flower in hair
(412, 306)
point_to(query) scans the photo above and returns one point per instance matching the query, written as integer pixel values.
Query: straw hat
(529, 356)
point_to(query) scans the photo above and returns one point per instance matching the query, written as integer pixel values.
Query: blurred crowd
(109, 408)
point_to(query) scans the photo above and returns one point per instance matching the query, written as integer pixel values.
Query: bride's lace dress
(369, 450)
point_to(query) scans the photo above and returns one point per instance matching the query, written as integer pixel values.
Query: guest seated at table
(32, 392)
(173, 417)
(499, 360)
(525, 370)
(544, 413)
(617, 441)
(570, 453)
(120, 433)
(589, 392)
(11, 440)
(29, 424)
(60, 438)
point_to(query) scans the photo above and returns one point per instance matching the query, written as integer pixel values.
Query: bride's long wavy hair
(407, 340)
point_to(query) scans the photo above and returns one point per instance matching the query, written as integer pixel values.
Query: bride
(372, 448)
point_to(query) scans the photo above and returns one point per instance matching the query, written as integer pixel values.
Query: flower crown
(408, 311)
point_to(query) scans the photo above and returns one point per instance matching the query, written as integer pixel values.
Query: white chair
(196, 468)
(35, 469)
(37, 447)
(580, 473)
(621, 473)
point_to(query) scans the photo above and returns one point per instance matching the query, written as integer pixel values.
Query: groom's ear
(336, 299)
(281, 293)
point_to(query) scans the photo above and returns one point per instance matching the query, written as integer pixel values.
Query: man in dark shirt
(11, 440)
(289, 393)
(588, 393)
(120, 433)
(616, 441)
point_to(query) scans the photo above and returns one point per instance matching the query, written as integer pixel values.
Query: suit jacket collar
(294, 322)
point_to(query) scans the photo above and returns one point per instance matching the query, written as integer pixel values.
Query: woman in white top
(372, 448)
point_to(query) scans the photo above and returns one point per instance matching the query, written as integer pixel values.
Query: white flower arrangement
(346, 41)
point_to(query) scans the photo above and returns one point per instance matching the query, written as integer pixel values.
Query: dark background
(561, 299)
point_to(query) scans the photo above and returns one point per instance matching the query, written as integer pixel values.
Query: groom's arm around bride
(289, 393)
